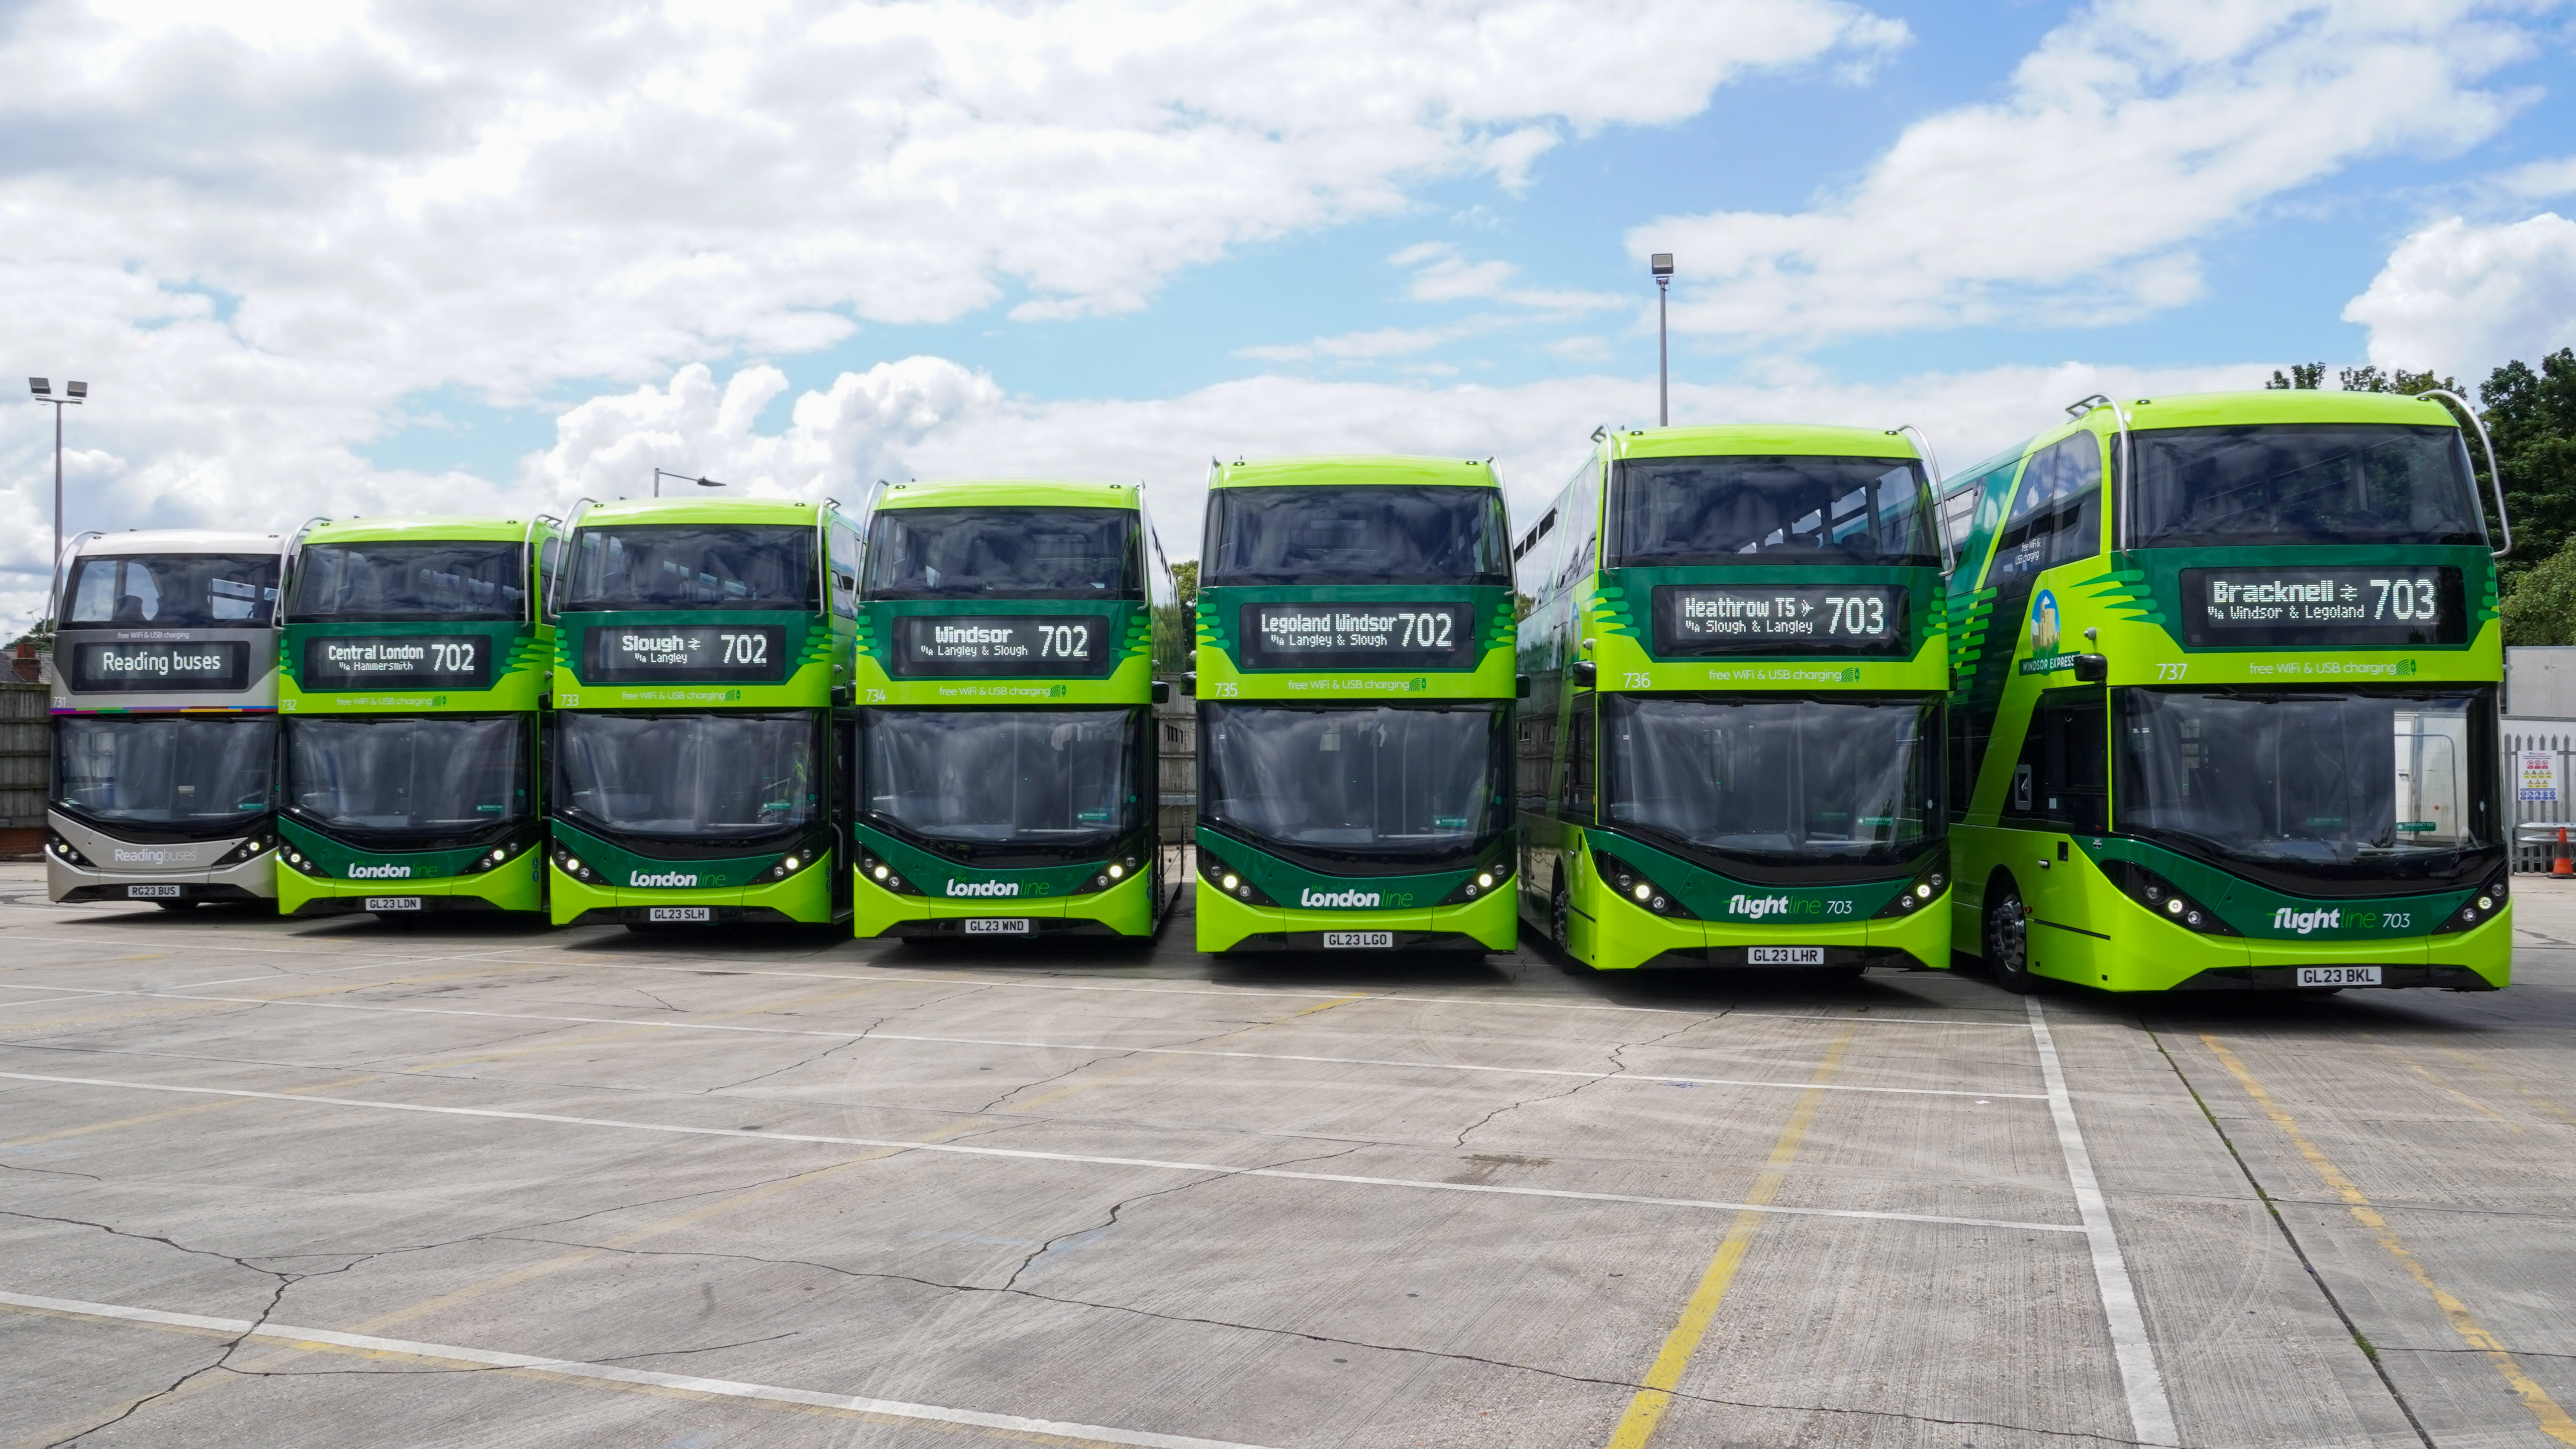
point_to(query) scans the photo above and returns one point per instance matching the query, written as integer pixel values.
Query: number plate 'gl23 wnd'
(997, 925)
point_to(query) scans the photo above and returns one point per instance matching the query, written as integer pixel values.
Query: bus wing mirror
(1190, 684)
(2091, 668)
(1520, 686)
(1162, 691)
(1586, 673)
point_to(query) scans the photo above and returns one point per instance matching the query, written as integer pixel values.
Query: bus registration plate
(152, 893)
(1359, 940)
(997, 925)
(393, 903)
(1784, 955)
(681, 913)
(2338, 976)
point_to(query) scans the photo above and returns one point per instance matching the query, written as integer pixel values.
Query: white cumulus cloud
(2459, 297)
(2136, 130)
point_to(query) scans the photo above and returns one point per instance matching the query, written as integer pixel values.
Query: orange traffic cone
(2562, 866)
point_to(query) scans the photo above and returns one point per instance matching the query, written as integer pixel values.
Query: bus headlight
(883, 874)
(2165, 898)
(2490, 899)
(1224, 878)
(64, 851)
(1639, 889)
(1923, 890)
(1487, 879)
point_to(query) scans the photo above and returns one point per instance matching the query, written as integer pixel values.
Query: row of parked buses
(2194, 692)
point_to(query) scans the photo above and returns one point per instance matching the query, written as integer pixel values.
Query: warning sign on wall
(2539, 775)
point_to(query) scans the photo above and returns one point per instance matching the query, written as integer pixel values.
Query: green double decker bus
(1732, 754)
(414, 654)
(1005, 781)
(2226, 715)
(700, 650)
(1355, 682)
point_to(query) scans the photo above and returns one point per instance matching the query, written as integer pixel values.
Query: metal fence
(1176, 748)
(25, 759)
(2538, 776)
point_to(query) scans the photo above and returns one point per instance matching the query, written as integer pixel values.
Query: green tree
(2531, 415)
(1185, 580)
(2303, 376)
(1175, 631)
(2540, 606)
(1521, 605)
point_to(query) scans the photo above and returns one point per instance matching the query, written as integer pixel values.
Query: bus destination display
(991, 645)
(1359, 636)
(2343, 604)
(442, 661)
(154, 668)
(727, 653)
(1780, 619)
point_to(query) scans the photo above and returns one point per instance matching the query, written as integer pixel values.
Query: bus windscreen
(198, 776)
(705, 779)
(1781, 781)
(1016, 553)
(413, 779)
(1003, 782)
(1411, 787)
(182, 590)
(1356, 535)
(2314, 483)
(643, 566)
(379, 582)
(1683, 512)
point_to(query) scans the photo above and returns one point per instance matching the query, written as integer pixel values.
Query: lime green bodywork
(817, 677)
(315, 871)
(1586, 613)
(1425, 909)
(2123, 605)
(1082, 897)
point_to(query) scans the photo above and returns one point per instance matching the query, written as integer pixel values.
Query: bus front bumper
(1227, 924)
(805, 897)
(1623, 935)
(1125, 909)
(513, 885)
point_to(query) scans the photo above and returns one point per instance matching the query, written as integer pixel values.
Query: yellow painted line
(2554, 1421)
(1646, 1408)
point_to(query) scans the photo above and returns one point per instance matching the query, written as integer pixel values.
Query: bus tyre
(2008, 937)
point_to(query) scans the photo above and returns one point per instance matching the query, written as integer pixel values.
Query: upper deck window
(2356, 483)
(1004, 553)
(174, 590)
(1672, 512)
(359, 582)
(1357, 535)
(645, 566)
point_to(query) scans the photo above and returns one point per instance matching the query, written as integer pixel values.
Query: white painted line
(617, 1373)
(2150, 1416)
(1028, 1155)
(1648, 1078)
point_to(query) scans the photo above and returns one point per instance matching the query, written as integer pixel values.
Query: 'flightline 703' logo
(983, 887)
(2291, 919)
(665, 878)
(380, 872)
(1355, 900)
(1758, 906)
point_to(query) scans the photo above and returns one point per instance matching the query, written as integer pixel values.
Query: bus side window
(2057, 514)
(1575, 790)
(2061, 778)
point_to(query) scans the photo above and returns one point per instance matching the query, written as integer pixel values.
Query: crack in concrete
(1618, 1069)
(805, 1061)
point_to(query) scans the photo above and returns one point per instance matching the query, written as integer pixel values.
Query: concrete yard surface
(337, 1183)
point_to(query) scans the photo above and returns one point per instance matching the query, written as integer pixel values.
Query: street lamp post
(73, 395)
(1661, 263)
(661, 473)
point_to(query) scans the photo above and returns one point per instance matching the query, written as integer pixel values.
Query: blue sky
(367, 259)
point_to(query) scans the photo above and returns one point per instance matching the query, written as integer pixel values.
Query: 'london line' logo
(1357, 900)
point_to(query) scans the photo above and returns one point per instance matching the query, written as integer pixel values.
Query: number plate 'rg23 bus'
(1001, 645)
(652, 654)
(1862, 619)
(1344, 635)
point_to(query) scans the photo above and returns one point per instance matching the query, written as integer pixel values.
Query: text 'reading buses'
(1732, 751)
(1355, 685)
(2227, 699)
(1006, 780)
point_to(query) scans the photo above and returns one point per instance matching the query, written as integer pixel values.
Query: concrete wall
(2540, 682)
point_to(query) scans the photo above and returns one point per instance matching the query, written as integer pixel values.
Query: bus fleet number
(1064, 641)
(2403, 599)
(1427, 631)
(452, 658)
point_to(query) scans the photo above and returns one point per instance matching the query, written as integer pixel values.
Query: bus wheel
(2008, 937)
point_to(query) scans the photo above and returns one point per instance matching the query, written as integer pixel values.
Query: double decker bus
(700, 649)
(2227, 686)
(1355, 678)
(165, 719)
(416, 651)
(1006, 752)
(1739, 664)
